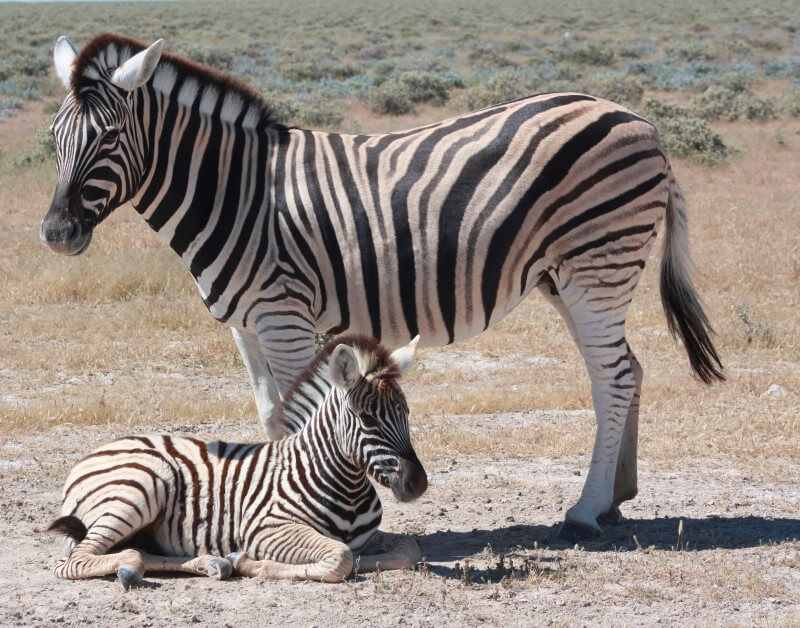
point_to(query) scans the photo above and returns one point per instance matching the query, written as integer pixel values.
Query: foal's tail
(69, 526)
(682, 306)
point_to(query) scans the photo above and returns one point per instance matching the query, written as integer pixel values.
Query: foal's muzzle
(410, 481)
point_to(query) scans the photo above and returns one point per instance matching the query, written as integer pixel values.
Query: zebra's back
(444, 229)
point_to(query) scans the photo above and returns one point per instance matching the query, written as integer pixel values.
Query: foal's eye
(368, 420)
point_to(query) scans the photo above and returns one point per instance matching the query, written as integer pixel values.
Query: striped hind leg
(88, 559)
(295, 551)
(597, 306)
(396, 551)
(625, 476)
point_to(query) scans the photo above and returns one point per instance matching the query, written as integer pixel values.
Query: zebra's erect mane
(185, 68)
(376, 360)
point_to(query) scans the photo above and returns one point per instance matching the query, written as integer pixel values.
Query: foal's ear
(137, 70)
(404, 356)
(64, 55)
(344, 367)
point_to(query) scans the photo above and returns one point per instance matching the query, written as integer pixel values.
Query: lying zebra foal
(296, 508)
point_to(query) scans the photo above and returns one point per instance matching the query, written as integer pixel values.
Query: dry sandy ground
(738, 558)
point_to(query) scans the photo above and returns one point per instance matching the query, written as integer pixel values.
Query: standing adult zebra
(438, 231)
(297, 508)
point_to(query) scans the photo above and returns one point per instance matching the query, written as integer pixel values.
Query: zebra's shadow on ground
(520, 541)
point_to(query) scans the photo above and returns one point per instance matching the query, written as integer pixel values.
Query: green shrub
(319, 112)
(316, 112)
(792, 105)
(217, 58)
(502, 87)
(300, 71)
(10, 107)
(590, 53)
(723, 103)
(692, 51)
(397, 95)
(44, 150)
(391, 97)
(51, 108)
(489, 56)
(682, 134)
(618, 88)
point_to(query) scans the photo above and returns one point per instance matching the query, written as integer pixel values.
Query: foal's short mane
(185, 68)
(379, 364)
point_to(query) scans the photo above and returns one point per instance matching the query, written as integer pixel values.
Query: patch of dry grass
(120, 412)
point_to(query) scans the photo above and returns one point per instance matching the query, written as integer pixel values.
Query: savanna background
(117, 340)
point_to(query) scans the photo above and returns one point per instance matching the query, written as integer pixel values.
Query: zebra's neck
(323, 435)
(204, 189)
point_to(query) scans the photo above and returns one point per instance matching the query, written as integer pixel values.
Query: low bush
(391, 97)
(10, 107)
(718, 102)
(217, 58)
(589, 53)
(619, 88)
(397, 95)
(501, 87)
(316, 111)
(44, 149)
(300, 71)
(692, 51)
(682, 133)
(792, 105)
(490, 57)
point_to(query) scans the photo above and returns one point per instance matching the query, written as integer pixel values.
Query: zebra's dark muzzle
(62, 228)
(67, 238)
(410, 481)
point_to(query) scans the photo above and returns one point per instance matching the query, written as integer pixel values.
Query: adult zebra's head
(99, 153)
(373, 418)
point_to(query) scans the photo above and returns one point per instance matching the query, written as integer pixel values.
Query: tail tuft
(69, 526)
(682, 306)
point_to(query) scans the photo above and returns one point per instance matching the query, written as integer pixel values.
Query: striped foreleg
(264, 387)
(287, 342)
(211, 566)
(296, 551)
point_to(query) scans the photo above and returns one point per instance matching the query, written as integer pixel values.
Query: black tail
(682, 306)
(69, 526)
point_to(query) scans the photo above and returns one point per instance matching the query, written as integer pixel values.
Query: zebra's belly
(468, 321)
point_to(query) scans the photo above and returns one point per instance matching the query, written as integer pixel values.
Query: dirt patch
(737, 551)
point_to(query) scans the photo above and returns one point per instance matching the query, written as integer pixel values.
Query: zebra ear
(344, 367)
(64, 55)
(137, 70)
(404, 356)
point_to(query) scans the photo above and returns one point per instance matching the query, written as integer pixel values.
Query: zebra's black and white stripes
(304, 503)
(438, 231)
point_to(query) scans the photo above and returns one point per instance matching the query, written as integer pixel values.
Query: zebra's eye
(368, 420)
(111, 134)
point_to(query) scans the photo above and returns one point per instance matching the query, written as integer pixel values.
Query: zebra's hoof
(573, 532)
(233, 558)
(219, 568)
(128, 576)
(613, 517)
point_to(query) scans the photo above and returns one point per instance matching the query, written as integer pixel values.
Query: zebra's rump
(166, 493)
